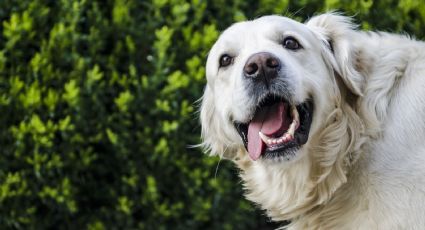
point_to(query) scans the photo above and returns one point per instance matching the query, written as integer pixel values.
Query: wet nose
(262, 66)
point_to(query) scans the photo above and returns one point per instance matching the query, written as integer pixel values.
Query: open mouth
(278, 128)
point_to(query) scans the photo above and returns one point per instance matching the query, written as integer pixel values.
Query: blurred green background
(97, 110)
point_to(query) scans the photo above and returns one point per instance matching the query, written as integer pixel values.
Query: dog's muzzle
(278, 127)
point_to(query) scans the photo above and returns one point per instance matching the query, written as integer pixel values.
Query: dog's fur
(363, 166)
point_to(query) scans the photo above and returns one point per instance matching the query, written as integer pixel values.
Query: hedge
(98, 110)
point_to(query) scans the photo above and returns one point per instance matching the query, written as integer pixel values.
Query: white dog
(326, 123)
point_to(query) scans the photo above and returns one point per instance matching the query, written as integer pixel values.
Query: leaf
(71, 92)
(32, 96)
(94, 74)
(64, 124)
(37, 125)
(113, 138)
(123, 100)
(51, 99)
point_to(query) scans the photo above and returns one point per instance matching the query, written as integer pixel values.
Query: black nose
(262, 67)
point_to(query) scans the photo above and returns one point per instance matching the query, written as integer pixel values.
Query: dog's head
(277, 95)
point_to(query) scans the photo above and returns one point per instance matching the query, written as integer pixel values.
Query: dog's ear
(215, 139)
(208, 129)
(337, 32)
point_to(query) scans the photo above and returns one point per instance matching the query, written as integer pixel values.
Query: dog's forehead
(266, 26)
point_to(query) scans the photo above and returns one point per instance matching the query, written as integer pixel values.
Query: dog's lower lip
(281, 150)
(281, 147)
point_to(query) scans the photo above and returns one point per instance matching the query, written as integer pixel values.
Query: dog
(325, 122)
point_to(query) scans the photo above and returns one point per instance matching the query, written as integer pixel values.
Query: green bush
(97, 110)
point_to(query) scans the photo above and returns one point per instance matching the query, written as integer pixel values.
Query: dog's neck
(292, 194)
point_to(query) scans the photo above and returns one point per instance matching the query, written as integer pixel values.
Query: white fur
(363, 166)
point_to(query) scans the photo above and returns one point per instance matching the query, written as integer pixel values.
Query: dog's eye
(291, 43)
(225, 60)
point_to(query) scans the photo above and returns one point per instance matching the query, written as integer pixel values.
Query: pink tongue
(269, 120)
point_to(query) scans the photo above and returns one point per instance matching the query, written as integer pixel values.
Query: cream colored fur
(363, 166)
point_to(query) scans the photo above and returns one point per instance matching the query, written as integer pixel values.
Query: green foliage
(97, 110)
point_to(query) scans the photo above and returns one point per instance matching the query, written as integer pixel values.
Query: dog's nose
(262, 66)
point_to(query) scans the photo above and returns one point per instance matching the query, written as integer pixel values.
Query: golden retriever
(326, 123)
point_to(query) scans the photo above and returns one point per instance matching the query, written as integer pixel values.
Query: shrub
(97, 110)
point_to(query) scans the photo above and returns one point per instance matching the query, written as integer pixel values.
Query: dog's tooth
(282, 139)
(292, 126)
(289, 136)
(295, 114)
(265, 138)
